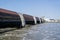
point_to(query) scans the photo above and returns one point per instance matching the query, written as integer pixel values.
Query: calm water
(46, 31)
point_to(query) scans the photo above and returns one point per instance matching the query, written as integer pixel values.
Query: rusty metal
(9, 18)
(28, 19)
(38, 20)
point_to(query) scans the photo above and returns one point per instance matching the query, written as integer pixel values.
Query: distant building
(47, 20)
(52, 20)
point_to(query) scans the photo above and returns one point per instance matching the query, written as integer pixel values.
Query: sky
(48, 8)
